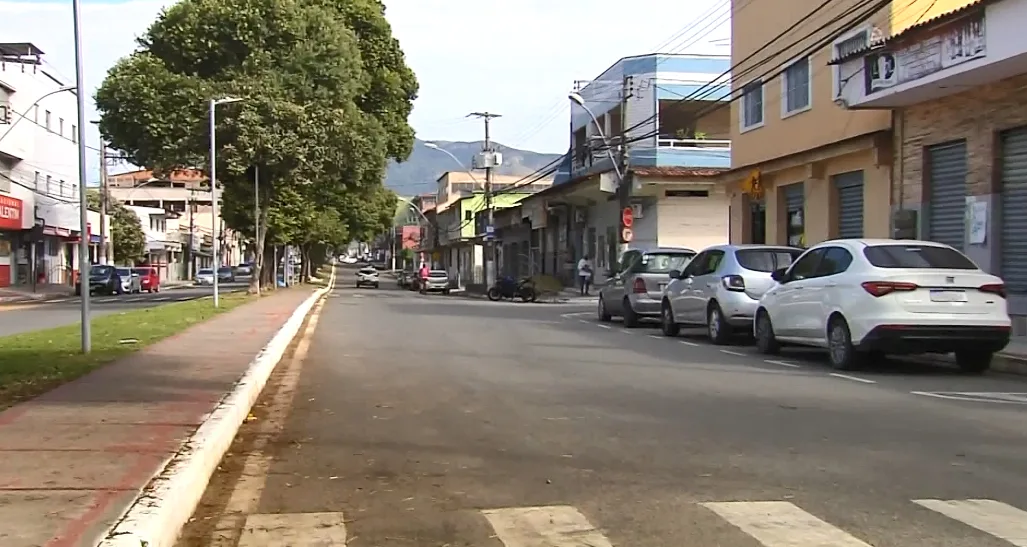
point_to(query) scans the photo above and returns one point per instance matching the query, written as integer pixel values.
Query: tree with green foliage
(127, 237)
(327, 94)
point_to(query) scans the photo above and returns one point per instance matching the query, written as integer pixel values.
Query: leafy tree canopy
(326, 95)
(127, 237)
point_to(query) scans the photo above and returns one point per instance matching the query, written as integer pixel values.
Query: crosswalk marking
(782, 524)
(989, 516)
(294, 530)
(550, 526)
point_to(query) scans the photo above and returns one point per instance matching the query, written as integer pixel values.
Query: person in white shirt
(585, 275)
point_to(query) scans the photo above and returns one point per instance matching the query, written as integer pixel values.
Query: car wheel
(766, 342)
(630, 317)
(717, 329)
(973, 362)
(840, 351)
(604, 315)
(668, 324)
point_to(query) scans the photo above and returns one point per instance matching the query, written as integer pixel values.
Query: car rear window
(917, 256)
(205, 272)
(661, 263)
(438, 273)
(124, 271)
(766, 260)
(142, 271)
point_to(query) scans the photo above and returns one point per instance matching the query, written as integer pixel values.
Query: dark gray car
(637, 291)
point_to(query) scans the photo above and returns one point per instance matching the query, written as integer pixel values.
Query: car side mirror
(675, 274)
(779, 275)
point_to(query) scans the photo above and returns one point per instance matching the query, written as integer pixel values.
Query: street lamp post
(577, 99)
(83, 249)
(214, 189)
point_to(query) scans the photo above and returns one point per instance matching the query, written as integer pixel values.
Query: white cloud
(515, 58)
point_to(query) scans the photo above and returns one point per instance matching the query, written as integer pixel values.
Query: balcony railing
(692, 143)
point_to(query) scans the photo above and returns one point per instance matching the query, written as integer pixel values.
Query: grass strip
(33, 363)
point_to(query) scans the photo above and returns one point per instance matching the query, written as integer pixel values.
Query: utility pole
(624, 189)
(488, 162)
(258, 252)
(190, 261)
(104, 196)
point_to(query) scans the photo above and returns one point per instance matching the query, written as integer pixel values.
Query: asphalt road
(18, 318)
(432, 421)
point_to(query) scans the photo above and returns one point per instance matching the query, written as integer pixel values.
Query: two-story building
(39, 187)
(952, 75)
(670, 112)
(804, 167)
(163, 245)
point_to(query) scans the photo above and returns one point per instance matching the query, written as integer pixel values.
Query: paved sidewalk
(72, 461)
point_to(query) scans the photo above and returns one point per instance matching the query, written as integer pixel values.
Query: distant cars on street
(438, 281)
(367, 277)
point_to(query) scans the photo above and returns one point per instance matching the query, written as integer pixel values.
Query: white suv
(863, 298)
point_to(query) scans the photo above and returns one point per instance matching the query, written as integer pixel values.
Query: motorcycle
(508, 287)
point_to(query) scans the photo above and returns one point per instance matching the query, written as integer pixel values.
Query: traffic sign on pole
(627, 217)
(627, 235)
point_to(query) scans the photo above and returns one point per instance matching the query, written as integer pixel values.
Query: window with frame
(752, 104)
(796, 87)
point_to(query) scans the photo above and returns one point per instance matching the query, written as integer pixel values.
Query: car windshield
(100, 271)
(205, 272)
(661, 263)
(124, 272)
(917, 257)
(368, 270)
(142, 271)
(438, 273)
(766, 260)
(225, 269)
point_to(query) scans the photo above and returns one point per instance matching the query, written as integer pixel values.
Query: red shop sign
(10, 213)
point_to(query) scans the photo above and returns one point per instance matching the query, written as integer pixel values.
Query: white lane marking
(656, 337)
(781, 363)
(161, 299)
(626, 331)
(687, 343)
(782, 524)
(135, 300)
(604, 326)
(738, 353)
(105, 300)
(853, 378)
(553, 526)
(989, 516)
(975, 397)
(59, 300)
(585, 321)
(294, 530)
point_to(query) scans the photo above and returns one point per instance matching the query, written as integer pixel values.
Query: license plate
(948, 296)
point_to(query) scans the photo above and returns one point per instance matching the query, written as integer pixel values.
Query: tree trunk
(268, 269)
(258, 259)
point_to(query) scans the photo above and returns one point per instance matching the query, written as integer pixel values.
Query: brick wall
(976, 115)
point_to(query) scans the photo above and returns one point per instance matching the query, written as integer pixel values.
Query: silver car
(636, 291)
(205, 277)
(438, 281)
(131, 283)
(721, 288)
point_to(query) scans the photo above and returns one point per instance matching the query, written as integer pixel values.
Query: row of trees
(327, 94)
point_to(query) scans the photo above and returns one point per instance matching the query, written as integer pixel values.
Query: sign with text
(10, 213)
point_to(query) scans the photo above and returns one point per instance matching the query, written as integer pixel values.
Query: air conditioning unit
(5, 114)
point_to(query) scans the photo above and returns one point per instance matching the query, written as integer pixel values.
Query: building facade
(40, 224)
(955, 84)
(804, 168)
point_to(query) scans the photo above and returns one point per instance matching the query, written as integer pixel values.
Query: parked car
(865, 298)
(637, 291)
(244, 269)
(226, 274)
(403, 279)
(130, 282)
(367, 276)
(721, 288)
(103, 279)
(438, 281)
(205, 277)
(149, 278)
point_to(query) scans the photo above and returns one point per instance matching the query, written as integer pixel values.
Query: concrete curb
(161, 510)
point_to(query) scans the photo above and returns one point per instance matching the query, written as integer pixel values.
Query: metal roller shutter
(794, 196)
(1014, 203)
(850, 204)
(947, 187)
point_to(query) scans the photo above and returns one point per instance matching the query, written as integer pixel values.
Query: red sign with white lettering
(10, 213)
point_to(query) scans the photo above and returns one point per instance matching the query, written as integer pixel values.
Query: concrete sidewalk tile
(73, 459)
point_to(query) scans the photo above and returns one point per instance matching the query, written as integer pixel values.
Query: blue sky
(518, 59)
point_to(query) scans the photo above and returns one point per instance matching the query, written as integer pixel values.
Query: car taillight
(994, 288)
(881, 288)
(733, 282)
(638, 287)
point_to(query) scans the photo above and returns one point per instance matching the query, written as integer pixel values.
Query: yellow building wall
(753, 25)
(907, 13)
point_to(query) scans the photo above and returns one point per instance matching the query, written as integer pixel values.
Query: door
(680, 291)
(850, 204)
(947, 189)
(789, 298)
(795, 213)
(814, 303)
(1013, 248)
(705, 285)
(615, 290)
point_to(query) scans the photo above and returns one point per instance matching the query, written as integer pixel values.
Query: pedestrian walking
(585, 275)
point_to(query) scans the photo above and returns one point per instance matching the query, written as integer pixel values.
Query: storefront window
(796, 228)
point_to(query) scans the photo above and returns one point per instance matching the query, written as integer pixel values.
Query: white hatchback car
(863, 298)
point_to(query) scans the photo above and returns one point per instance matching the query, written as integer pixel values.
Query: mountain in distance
(417, 175)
